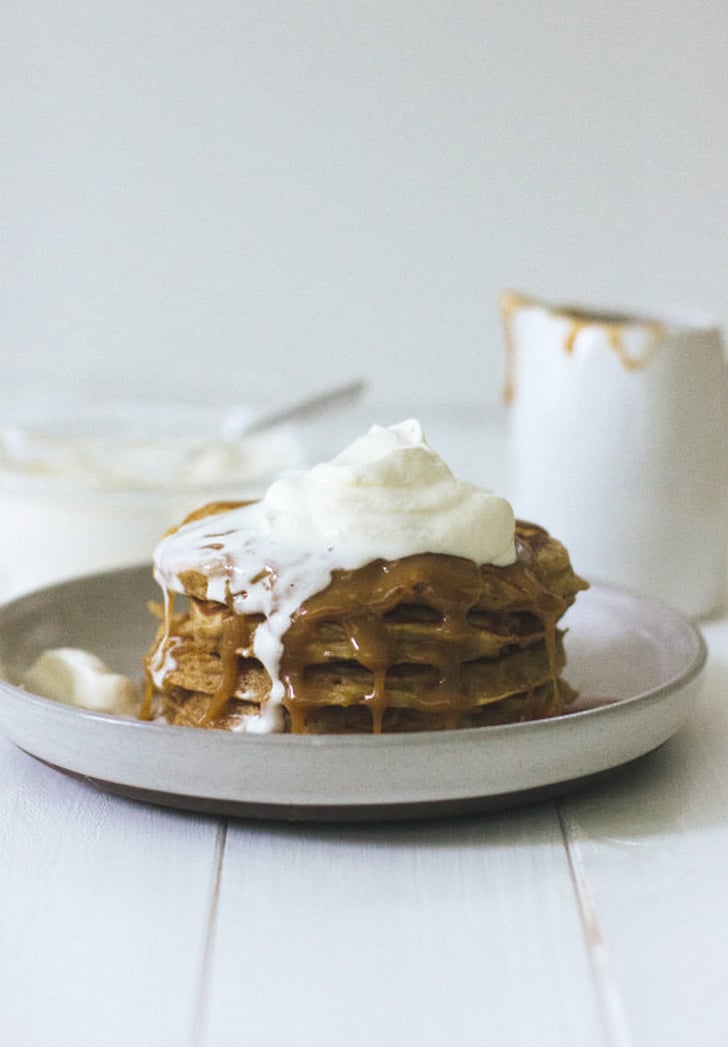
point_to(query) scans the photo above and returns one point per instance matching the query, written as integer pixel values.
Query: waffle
(427, 642)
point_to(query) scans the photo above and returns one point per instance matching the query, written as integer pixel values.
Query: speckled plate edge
(334, 778)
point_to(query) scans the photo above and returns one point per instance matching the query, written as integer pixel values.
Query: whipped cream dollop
(389, 495)
(77, 677)
(386, 496)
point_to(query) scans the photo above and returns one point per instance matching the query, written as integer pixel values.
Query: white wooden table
(597, 919)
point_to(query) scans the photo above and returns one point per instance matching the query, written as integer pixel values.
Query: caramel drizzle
(615, 330)
(358, 600)
(157, 657)
(509, 303)
(145, 712)
(379, 587)
(234, 640)
(615, 336)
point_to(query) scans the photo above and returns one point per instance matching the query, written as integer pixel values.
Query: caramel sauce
(156, 658)
(235, 638)
(360, 600)
(509, 303)
(145, 712)
(613, 325)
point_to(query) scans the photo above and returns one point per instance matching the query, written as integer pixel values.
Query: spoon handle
(344, 394)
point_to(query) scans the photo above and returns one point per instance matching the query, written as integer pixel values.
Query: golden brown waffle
(422, 643)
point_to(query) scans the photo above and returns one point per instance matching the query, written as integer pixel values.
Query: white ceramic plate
(637, 664)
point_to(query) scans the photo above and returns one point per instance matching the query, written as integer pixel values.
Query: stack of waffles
(425, 642)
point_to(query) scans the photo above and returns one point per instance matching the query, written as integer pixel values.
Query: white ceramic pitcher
(619, 435)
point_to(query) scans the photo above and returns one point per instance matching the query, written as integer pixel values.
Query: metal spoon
(341, 396)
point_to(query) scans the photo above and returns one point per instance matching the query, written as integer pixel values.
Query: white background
(254, 199)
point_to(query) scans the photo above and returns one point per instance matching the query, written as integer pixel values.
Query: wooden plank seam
(608, 993)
